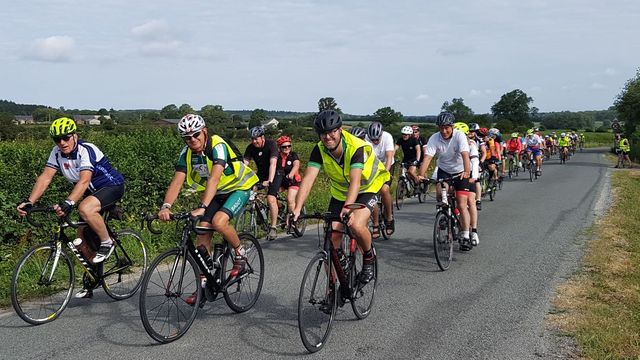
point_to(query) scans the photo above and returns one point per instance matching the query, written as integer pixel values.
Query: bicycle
(256, 216)
(564, 155)
(381, 220)
(531, 166)
(175, 275)
(513, 167)
(407, 188)
(43, 280)
(621, 160)
(319, 294)
(446, 228)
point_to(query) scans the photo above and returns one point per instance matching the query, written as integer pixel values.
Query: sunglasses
(329, 133)
(192, 136)
(285, 146)
(59, 139)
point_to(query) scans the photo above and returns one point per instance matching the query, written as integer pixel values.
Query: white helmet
(407, 130)
(190, 123)
(563, 134)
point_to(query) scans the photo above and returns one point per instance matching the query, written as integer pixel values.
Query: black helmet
(375, 130)
(256, 131)
(358, 132)
(474, 127)
(445, 119)
(327, 120)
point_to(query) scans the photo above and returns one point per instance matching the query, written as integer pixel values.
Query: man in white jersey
(384, 149)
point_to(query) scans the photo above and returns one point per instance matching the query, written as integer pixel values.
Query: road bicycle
(488, 185)
(512, 165)
(532, 166)
(407, 188)
(255, 218)
(44, 278)
(621, 160)
(446, 228)
(329, 281)
(564, 155)
(176, 274)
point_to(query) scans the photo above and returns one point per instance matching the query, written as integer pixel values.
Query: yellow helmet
(460, 126)
(62, 126)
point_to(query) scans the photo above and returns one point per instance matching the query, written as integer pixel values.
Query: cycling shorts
(408, 164)
(289, 183)
(230, 204)
(108, 195)
(458, 184)
(535, 151)
(274, 186)
(368, 199)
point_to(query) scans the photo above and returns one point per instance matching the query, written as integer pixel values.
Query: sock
(109, 241)
(474, 230)
(465, 234)
(367, 254)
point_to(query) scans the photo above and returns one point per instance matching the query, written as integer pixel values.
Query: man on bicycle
(622, 149)
(534, 146)
(264, 152)
(84, 165)
(514, 147)
(356, 176)
(209, 165)
(382, 144)
(411, 152)
(563, 143)
(452, 149)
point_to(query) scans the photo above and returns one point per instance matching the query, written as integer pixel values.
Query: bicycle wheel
(484, 183)
(510, 167)
(492, 190)
(246, 222)
(170, 279)
(381, 220)
(316, 303)
(362, 301)
(301, 225)
(42, 284)
(531, 171)
(401, 193)
(442, 241)
(243, 292)
(123, 270)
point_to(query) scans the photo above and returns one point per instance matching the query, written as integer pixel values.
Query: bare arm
(418, 152)
(174, 187)
(294, 169)
(467, 164)
(42, 183)
(389, 159)
(81, 186)
(309, 178)
(212, 184)
(355, 174)
(273, 163)
(424, 166)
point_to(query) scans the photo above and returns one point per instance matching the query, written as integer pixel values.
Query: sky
(285, 55)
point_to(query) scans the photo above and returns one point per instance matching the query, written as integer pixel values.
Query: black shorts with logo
(367, 199)
(458, 184)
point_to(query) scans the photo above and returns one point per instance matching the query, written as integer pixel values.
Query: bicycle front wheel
(246, 222)
(401, 193)
(316, 303)
(168, 282)
(42, 284)
(123, 270)
(362, 301)
(301, 225)
(243, 291)
(381, 221)
(443, 241)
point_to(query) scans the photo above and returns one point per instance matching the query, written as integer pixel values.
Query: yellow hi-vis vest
(374, 174)
(236, 175)
(623, 145)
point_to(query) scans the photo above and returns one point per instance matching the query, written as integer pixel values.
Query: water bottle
(263, 212)
(84, 249)
(343, 259)
(204, 256)
(217, 255)
(443, 194)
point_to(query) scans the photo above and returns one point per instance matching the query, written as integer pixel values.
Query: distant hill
(18, 109)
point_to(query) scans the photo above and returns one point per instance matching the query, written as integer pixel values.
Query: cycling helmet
(514, 135)
(327, 120)
(283, 139)
(530, 132)
(190, 123)
(407, 130)
(494, 132)
(563, 134)
(536, 129)
(474, 127)
(375, 130)
(546, 136)
(358, 132)
(256, 131)
(62, 126)
(445, 119)
(483, 131)
(460, 126)
(415, 127)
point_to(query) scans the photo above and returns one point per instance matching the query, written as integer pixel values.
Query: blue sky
(285, 55)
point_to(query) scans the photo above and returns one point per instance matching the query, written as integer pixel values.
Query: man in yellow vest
(623, 149)
(209, 165)
(356, 176)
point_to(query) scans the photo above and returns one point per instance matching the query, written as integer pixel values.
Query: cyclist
(382, 144)
(479, 135)
(84, 165)
(452, 149)
(264, 152)
(289, 165)
(582, 140)
(548, 145)
(474, 158)
(493, 155)
(563, 143)
(496, 135)
(355, 177)
(514, 147)
(422, 141)
(623, 148)
(534, 144)
(358, 132)
(209, 165)
(411, 152)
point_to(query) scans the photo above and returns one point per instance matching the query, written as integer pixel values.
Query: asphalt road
(490, 304)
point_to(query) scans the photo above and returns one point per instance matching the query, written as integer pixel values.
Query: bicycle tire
(443, 240)
(125, 268)
(59, 287)
(492, 190)
(363, 300)
(243, 294)
(301, 225)
(182, 273)
(381, 220)
(531, 172)
(314, 325)
(401, 193)
(246, 222)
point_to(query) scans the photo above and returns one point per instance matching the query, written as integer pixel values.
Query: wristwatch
(202, 206)
(70, 202)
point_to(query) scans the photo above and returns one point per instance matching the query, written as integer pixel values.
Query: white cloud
(157, 39)
(596, 86)
(610, 71)
(152, 30)
(423, 97)
(478, 93)
(53, 48)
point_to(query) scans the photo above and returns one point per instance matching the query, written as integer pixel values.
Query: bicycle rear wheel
(246, 222)
(316, 303)
(123, 270)
(443, 241)
(42, 284)
(362, 301)
(168, 282)
(243, 292)
(401, 193)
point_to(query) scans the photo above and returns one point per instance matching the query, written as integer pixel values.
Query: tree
(257, 118)
(328, 103)
(627, 104)
(107, 123)
(186, 109)
(513, 106)
(457, 107)
(47, 114)
(387, 116)
(214, 114)
(170, 111)
(8, 130)
(102, 112)
(505, 126)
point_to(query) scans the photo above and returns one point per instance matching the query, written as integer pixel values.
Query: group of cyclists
(359, 163)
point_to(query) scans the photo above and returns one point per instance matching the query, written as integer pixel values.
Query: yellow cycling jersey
(564, 141)
(623, 145)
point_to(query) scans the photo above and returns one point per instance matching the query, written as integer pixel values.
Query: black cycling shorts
(368, 199)
(107, 195)
(274, 186)
(458, 184)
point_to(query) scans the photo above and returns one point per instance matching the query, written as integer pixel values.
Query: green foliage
(257, 118)
(48, 114)
(170, 111)
(567, 120)
(457, 107)
(387, 116)
(513, 106)
(505, 126)
(185, 109)
(627, 104)
(8, 130)
(328, 103)
(215, 116)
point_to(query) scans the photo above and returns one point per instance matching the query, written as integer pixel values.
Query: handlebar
(48, 209)
(149, 218)
(447, 180)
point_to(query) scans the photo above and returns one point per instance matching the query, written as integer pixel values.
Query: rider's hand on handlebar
(422, 178)
(197, 212)
(265, 183)
(23, 207)
(164, 214)
(63, 208)
(295, 214)
(465, 175)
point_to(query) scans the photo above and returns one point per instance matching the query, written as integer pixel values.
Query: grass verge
(600, 306)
